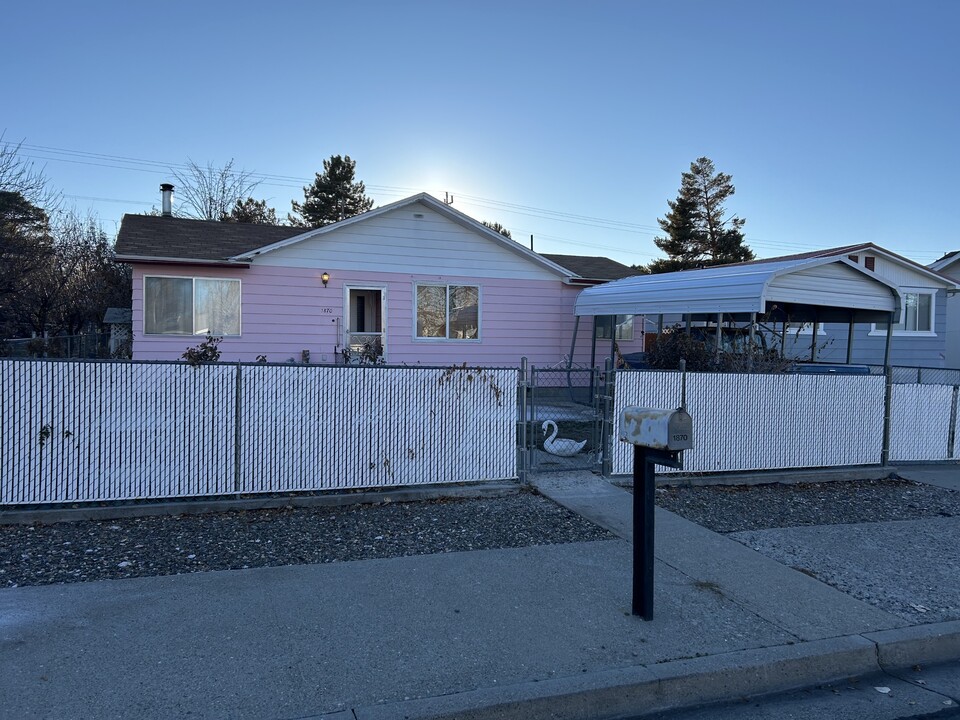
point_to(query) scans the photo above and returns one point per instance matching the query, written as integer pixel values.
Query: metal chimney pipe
(166, 195)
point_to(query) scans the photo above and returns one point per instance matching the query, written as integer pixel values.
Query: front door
(366, 339)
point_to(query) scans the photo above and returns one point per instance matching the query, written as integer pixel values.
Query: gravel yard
(728, 509)
(891, 543)
(174, 544)
(166, 545)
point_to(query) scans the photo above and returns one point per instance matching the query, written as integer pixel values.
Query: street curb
(917, 644)
(640, 690)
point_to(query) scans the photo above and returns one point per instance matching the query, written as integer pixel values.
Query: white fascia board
(178, 261)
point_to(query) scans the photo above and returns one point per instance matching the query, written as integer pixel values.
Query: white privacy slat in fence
(920, 427)
(320, 428)
(759, 422)
(76, 431)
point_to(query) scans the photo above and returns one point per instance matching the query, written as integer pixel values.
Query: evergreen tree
(497, 227)
(251, 211)
(697, 232)
(333, 196)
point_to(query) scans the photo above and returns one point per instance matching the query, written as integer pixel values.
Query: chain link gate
(562, 414)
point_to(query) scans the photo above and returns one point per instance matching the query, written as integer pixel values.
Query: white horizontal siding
(398, 242)
(902, 275)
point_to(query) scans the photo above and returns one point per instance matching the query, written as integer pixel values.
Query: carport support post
(886, 347)
(813, 339)
(613, 340)
(719, 333)
(850, 339)
(643, 498)
(887, 395)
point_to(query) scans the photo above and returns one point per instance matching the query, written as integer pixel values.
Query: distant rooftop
(592, 268)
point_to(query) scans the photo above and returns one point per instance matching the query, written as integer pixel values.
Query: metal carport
(812, 290)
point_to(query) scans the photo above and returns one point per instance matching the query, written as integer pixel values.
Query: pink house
(417, 278)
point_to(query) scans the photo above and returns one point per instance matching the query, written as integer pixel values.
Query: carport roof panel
(744, 288)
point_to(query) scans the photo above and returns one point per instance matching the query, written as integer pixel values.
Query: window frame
(193, 298)
(446, 308)
(617, 325)
(898, 328)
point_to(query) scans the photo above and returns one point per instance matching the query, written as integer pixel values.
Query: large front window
(916, 315)
(451, 312)
(191, 306)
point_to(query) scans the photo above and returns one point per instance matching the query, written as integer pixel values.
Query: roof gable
(151, 238)
(410, 239)
(430, 203)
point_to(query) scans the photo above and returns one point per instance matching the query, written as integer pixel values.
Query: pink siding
(286, 310)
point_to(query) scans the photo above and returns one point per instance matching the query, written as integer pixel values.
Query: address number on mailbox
(657, 428)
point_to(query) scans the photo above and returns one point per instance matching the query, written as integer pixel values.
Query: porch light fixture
(325, 278)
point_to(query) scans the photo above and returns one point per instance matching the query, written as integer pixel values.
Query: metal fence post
(887, 405)
(236, 432)
(523, 451)
(952, 436)
(606, 444)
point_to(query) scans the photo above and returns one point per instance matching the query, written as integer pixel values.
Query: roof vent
(166, 200)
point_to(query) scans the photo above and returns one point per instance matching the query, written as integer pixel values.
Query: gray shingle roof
(180, 238)
(118, 316)
(592, 268)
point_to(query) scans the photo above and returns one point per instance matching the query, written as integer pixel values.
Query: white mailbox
(657, 428)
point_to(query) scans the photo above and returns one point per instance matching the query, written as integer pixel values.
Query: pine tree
(332, 197)
(251, 211)
(697, 233)
(497, 227)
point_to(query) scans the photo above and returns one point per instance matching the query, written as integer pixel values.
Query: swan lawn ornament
(562, 447)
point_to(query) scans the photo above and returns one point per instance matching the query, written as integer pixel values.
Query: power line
(158, 167)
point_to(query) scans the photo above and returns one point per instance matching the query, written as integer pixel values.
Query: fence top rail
(225, 363)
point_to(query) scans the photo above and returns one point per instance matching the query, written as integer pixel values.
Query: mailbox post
(658, 436)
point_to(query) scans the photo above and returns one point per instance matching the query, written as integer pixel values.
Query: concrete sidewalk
(540, 632)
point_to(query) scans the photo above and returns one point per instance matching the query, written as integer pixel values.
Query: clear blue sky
(571, 121)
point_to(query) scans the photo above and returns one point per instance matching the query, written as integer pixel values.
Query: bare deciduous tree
(211, 192)
(19, 175)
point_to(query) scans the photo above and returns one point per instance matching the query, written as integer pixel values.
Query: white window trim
(448, 340)
(193, 320)
(874, 332)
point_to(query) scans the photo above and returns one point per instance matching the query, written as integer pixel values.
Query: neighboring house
(422, 280)
(920, 336)
(120, 321)
(949, 265)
